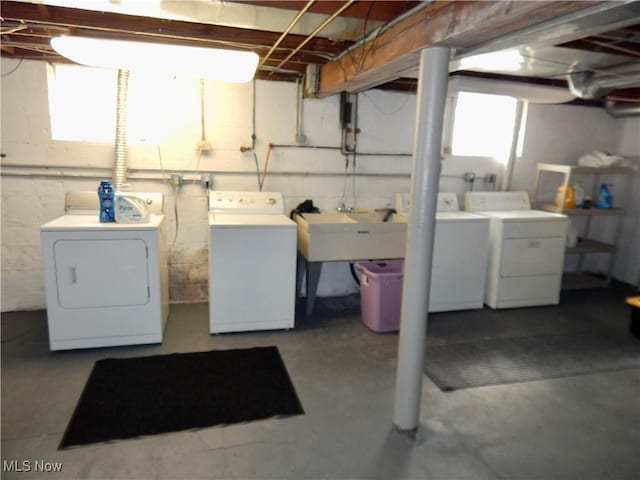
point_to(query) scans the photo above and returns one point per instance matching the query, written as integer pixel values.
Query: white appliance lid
(447, 202)
(233, 220)
(525, 215)
(73, 222)
(245, 202)
(451, 217)
(460, 217)
(496, 201)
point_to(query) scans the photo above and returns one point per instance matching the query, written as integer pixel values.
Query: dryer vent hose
(120, 162)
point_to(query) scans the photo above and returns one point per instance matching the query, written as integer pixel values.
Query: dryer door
(101, 273)
(532, 256)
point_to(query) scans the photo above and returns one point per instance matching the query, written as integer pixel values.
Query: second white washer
(459, 265)
(252, 262)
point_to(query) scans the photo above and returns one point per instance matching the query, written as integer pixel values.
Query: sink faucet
(388, 212)
(342, 208)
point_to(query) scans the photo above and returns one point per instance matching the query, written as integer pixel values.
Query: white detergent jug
(130, 209)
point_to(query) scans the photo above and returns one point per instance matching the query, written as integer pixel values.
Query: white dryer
(527, 247)
(252, 262)
(106, 284)
(460, 249)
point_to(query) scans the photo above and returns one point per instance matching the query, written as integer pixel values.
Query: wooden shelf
(550, 207)
(577, 170)
(586, 245)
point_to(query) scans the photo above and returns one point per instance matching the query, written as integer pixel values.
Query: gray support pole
(432, 91)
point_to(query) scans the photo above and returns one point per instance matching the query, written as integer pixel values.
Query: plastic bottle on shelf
(564, 200)
(604, 198)
(105, 194)
(578, 195)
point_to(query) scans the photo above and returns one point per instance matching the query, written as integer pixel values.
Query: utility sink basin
(350, 236)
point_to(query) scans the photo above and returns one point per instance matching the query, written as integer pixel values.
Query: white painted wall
(385, 118)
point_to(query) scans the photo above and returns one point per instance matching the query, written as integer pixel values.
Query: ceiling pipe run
(294, 21)
(590, 85)
(617, 110)
(315, 32)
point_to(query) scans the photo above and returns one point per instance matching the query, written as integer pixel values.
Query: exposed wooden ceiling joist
(375, 11)
(455, 24)
(113, 25)
(553, 38)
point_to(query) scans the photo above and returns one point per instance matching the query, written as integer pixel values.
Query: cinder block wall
(386, 120)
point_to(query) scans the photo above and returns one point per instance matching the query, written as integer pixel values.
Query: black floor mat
(133, 397)
(494, 361)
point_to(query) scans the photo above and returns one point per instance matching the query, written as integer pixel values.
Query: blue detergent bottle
(604, 198)
(105, 194)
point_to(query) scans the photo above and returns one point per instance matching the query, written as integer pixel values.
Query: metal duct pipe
(590, 85)
(119, 175)
(617, 109)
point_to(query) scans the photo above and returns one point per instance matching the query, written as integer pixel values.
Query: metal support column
(432, 91)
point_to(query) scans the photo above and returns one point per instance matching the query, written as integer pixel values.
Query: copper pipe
(313, 34)
(295, 20)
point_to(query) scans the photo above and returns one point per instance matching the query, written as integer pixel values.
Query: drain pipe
(425, 174)
(120, 165)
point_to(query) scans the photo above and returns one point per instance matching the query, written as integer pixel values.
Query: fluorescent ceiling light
(211, 63)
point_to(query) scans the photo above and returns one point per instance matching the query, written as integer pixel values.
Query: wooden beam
(458, 24)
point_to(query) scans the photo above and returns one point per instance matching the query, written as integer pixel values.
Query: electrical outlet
(204, 147)
(176, 179)
(207, 180)
(490, 178)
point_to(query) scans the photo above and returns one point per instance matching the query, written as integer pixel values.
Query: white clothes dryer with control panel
(106, 284)
(526, 255)
(459, 264)
(252, 262)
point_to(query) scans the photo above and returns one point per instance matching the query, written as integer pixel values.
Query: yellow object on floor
(633, 301)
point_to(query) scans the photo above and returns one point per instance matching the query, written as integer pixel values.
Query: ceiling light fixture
(211, 63)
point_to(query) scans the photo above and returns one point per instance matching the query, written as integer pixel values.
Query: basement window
(483, 126)
(83, 101)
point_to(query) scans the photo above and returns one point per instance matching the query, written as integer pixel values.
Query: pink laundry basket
(381, 294)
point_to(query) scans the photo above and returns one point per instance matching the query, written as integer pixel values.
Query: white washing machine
(526, 255)
(252, 262)
(106, 284)
(460, 249)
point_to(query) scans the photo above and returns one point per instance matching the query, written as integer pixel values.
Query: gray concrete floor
(581, 427)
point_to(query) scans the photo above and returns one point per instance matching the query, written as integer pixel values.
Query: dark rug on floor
(134, 397)
(453, 366)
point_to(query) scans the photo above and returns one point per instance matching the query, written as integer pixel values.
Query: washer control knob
(271, 201)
